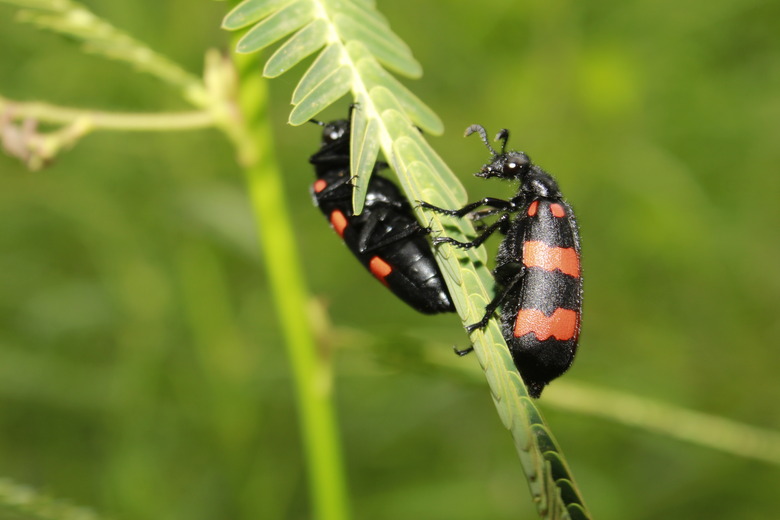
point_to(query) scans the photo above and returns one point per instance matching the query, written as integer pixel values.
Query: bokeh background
(141, 367)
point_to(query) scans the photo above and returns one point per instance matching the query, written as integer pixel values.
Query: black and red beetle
(386, 237)
(537, 265)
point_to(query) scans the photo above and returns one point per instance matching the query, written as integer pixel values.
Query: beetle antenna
(482, 134)
(316, 122)
(502, 136)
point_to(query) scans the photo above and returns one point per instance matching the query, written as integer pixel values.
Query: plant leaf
(364, 147)
(356, 39)
(302, 44)
(373, 75)
(350, 30)
(383, 44)
(334, 86)
(326, 62)
(251, 11)
(288, 19)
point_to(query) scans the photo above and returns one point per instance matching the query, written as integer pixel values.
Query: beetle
(537, 271)
(386, 237)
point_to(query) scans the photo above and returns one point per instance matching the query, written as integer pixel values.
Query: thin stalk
(703, 429)
(102, 120)
(311, 369)
(99, 37)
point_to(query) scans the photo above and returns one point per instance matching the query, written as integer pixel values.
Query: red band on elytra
(539, 254)
(562, 324)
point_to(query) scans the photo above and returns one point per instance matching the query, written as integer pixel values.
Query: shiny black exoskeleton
(385, 237)
(537, 266)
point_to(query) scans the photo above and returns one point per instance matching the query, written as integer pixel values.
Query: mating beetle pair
(537, 266)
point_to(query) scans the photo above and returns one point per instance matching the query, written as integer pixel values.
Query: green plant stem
(651, 415)
(95, 119)
(699, 428)
(99, 37)
(311, 369)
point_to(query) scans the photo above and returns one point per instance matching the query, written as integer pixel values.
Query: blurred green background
(141, 367)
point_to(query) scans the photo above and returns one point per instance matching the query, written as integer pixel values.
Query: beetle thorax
(540, 183)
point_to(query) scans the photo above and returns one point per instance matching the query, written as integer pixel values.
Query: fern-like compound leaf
(355, 45)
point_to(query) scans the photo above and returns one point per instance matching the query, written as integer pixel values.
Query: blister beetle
(537, 266)
(386, 237)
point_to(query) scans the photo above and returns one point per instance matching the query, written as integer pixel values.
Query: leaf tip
(231, 22)
(414, 70)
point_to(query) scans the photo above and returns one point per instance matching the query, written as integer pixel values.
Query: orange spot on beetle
(380, 269)
(532, 208)
(320, 185)
(561, 325)
(557, 210)
(539, 254)
(339, 222)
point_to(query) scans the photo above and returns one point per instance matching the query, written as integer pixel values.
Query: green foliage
(142, 369)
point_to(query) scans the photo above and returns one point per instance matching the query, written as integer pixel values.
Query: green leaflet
(277, 26)
(298, 47)
(373, 76)
(364, 146)
(380, 42)
(332, 87)
(251, 11)
(324, 65)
